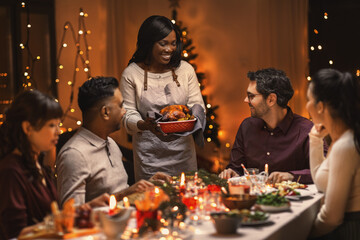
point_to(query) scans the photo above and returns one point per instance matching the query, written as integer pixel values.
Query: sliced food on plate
(291, 184)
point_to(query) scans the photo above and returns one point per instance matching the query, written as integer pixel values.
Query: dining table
(294, 223)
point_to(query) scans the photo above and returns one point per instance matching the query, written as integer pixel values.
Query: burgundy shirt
(284, 149)
(23, 201)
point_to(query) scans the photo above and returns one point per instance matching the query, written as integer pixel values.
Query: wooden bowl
(239, 201)
(225, 224)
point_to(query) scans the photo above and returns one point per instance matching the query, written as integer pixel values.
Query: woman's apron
(152, 155)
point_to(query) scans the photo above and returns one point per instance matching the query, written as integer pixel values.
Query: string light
(227, 145)
(312, 48)
(308, 78)
(79, 36)
(316, 31)
(325, 15)
(358, 72)
(29, 26)
(331, 62)
(319, 47)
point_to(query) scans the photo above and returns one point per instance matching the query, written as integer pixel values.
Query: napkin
(198, 111)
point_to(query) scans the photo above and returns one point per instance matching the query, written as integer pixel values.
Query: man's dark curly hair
(94, 90)
(271, 80)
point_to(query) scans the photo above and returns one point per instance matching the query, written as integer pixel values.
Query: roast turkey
(176, 113)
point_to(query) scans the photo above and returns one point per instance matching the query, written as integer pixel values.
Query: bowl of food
(226, 222)
(177, 126)
(176, 119)
(239, 201)
(273, 202)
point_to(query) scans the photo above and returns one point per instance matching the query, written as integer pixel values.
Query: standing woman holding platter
(157, 77)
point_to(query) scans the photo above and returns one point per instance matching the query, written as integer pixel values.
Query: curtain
(231, 37)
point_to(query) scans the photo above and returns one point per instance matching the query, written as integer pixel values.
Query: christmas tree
(212, 127)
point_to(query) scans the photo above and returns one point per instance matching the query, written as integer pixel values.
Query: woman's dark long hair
(154, 29)
(34, 107)
(341, 91)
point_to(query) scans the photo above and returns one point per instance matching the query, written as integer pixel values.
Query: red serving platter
(177, 126)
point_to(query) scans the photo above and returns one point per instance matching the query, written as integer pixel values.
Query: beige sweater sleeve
(316, 154)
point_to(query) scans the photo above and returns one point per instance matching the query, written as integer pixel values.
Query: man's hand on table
(277, 177)
(228, 173)
(100, 201)
(140, 186)
(160, 177)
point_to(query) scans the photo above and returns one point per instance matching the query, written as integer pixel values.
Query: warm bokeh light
(112, 202)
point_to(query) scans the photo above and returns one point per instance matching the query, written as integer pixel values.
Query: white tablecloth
(293, 224)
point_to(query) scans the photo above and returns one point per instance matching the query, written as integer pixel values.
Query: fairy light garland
(79, 36)
(28, 80)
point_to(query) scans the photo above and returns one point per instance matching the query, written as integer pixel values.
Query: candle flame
(112, 203)
(157, 190)
(182, 179)
(126, 202)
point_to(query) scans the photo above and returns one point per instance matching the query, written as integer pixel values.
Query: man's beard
(259, 111)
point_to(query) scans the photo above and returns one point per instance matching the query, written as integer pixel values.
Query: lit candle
(266, 169)
(112, 204)
(182, 183)
(157, 192)
(126, 202)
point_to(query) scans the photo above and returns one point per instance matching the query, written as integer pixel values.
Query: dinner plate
(304, 193)
(256, 223)
(269, 208)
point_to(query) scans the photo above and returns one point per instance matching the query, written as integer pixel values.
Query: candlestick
(245, 170)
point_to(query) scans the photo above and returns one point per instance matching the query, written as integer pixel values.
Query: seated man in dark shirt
(273, 135)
